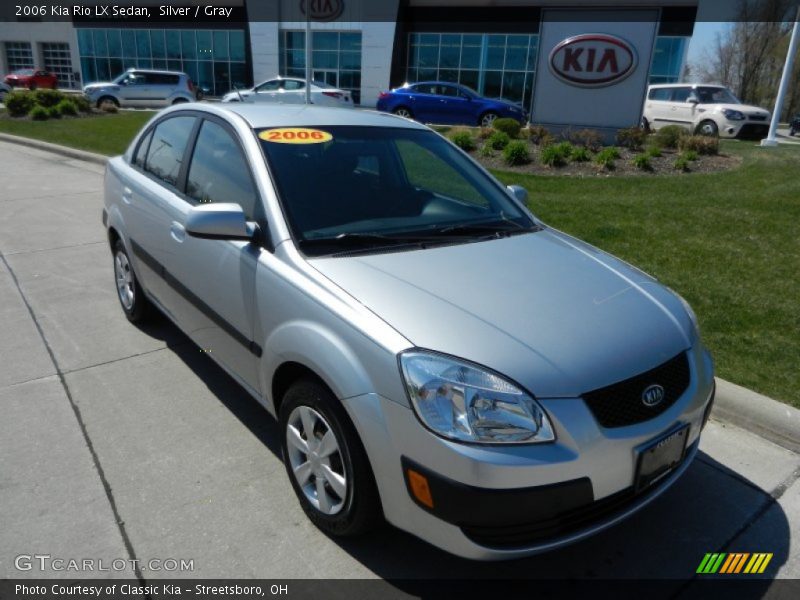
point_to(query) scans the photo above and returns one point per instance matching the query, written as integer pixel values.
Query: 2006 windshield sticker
(295, 135)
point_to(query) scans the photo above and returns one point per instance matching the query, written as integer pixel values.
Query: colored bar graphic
(734, 562)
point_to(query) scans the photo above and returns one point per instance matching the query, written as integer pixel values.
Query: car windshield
(25, 72)
(716, 95)
(356, 189)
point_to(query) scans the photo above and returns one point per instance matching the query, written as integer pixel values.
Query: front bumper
(744, 129)
(501, 502)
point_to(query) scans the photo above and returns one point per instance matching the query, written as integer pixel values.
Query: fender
(319, 349)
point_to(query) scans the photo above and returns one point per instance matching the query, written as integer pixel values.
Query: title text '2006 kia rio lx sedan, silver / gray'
(434, 354)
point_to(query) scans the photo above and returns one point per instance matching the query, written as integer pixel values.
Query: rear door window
(660, 94)
(681, 94)
(165, 155)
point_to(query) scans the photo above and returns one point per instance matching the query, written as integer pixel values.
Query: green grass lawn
(105, 134)
(728, 242)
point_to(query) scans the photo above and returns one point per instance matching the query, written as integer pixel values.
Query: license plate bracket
(658, 457)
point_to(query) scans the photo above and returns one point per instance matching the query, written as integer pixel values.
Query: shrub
(510, 127)
(553, 156)
(669, 136)
(681, 163)
(39, 113)
(463, 139)
(516, 153)
(606, 157)
(19, 104)
(498, 140)
(67, 107)
(539, 135)
(485, 133)
(588, 138)
(632, 138)
(54, 112)
(654, 152)
(486, 151)
(689, 154)
(642, 161)
(580, 154)
(109, 107)
(701, 144)
(82, 104)
(48, 98)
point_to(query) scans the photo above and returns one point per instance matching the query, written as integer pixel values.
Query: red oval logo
(592, 60)
(323, 10)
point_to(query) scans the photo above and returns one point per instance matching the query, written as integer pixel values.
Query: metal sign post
(308, 52)
(770, 140)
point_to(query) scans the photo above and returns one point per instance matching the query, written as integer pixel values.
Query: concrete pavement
(125, 442)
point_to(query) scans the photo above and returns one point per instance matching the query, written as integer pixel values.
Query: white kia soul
(704, 109)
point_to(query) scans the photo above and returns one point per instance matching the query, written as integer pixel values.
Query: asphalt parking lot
(121, 442)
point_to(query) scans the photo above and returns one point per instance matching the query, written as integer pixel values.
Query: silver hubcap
(488, 120)
(707, 129)
(316, 460)
(402, 112)
(124, 276)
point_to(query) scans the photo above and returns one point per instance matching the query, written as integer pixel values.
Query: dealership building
(501, 48)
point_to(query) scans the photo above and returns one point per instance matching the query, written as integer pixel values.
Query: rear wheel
(645, 125)
(325, 461)
(133, 301)
(402, 111)
(487, 119)
(708, 128)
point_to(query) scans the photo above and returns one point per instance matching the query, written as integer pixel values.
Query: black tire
(111, 99)
(708, 128)
(645, 125)
(403, 111)
(139, 308)
(360, 508)
(792, 131)
(32, 86)
(487, 119)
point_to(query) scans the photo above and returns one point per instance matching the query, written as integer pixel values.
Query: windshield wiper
(494, 228)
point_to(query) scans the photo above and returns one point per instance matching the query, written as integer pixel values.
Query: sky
(703, 38)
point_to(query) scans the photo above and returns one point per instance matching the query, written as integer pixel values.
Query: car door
(681, 110)
(149, 194)
(425, 102)
(267, 91)
(215, 279)
(292, 91)
(457, 106)
(657, 107)
(161, 87)
(133, 90)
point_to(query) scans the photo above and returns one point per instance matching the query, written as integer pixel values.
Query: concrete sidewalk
(121, 442)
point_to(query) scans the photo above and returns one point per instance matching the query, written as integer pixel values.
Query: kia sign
(323, 10)
(592, 60)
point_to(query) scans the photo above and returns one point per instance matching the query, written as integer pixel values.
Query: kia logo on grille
(592, 60)
(652, 395)
(323, 10)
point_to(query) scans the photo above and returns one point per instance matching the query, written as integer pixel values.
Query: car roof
(675, 85)
(259, 116)
(159, 71)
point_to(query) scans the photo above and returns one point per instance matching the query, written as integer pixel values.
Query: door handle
(177, 232)
(127, 195)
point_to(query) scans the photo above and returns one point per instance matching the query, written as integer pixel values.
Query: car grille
(757, 117)
(558, 526)
(621, 403)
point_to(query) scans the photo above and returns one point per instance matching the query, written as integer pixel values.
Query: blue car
(447, 103)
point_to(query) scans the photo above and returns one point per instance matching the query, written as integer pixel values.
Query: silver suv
(433, 352)
(143, 88)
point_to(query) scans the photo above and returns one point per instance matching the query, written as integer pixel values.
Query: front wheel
(131, 297)
(402, 111)
(326, 462)
(708, 128)
(487, 119)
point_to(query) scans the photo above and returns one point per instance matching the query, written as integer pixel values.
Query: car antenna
(238, 93)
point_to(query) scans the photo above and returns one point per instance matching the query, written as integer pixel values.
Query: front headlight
(733, 115)
(461, 401)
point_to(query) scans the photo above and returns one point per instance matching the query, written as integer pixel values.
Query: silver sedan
(435, 354)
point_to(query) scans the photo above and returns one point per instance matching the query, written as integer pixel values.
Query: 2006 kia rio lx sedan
(434, 354)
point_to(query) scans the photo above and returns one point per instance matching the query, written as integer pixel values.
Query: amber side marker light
(420, 488)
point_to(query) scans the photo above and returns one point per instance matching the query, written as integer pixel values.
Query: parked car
(4, 89)
(32, 79)
(291, 90)
(447, 103)
(144, 88)
(704, 109)
(794, 125)
(432, 351)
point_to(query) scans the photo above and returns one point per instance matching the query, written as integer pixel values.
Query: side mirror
(519, 192)
(225, 221)
(693, 99)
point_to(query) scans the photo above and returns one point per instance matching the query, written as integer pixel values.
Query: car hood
(99, 84)
(552, 313)
(744, 108)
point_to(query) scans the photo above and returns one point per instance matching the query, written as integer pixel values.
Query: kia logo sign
(592, 60)
(323, 10)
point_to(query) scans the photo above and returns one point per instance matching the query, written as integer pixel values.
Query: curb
(768, 418)
(98, 159)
